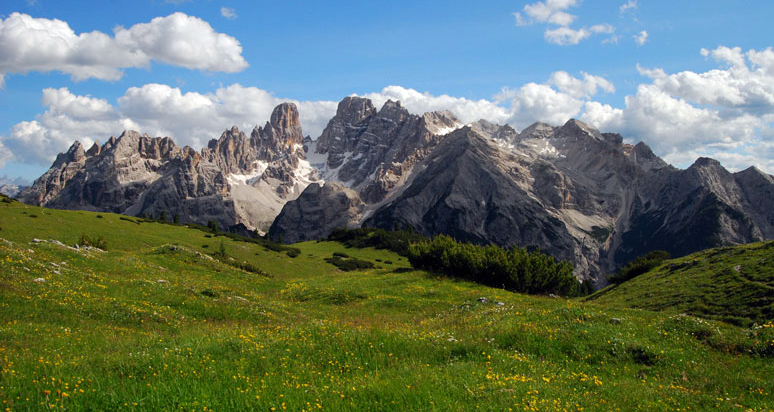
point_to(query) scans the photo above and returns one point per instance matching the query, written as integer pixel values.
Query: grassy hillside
(734, 284)
(155, 323)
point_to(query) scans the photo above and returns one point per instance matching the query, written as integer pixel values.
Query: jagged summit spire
(353, 109)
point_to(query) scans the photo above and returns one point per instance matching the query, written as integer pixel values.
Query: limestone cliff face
(316, 213)
(373, 152)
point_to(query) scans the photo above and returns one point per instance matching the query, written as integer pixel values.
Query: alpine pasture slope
(733, 284)
(156, 322)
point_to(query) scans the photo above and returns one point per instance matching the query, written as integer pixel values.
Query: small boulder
(39, 280)
(483, 300)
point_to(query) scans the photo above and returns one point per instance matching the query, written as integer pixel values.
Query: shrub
(221, 253)
(249, 267)
(349, 263)
(209, 293)
(128, 220)
(397, 241)
(513, 269)
(98, 242)
(639, 266)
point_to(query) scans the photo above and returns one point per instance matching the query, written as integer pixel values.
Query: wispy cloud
(641, 38)
(628, 6)
(552, 13)
(228, 13)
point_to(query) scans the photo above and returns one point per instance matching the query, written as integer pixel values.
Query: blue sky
(690, 78)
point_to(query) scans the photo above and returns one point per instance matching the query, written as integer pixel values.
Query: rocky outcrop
(316, 213)
(373, 152)
(683, 211)
(467, 190)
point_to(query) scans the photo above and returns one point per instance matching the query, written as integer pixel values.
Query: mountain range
(574, 192)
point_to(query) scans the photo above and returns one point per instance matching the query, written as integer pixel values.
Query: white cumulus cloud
(549, 11)
(45, 45)
(586, 87)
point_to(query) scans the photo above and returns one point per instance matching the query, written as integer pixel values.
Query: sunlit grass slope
(734, 284)
(154, 323)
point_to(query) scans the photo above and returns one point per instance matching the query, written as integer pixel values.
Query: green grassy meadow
(155, 323)
(733, 284)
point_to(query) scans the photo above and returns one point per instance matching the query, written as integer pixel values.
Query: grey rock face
(682, 211)
(372, 151)
(316, 213)
(470, 189)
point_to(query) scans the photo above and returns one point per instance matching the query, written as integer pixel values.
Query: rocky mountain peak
(94, 150)
(753, 172)
(109, 144)
(344, 129)
(642, 155)
(710, 174)
(440, 122)
(491, 130)
(537, 130)
(705, 163)
(282, 133)
(74, 154)
(577, 129)
(128, 138)
(232, 152)
(354, 109)
(393, 109)
(284, 119)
